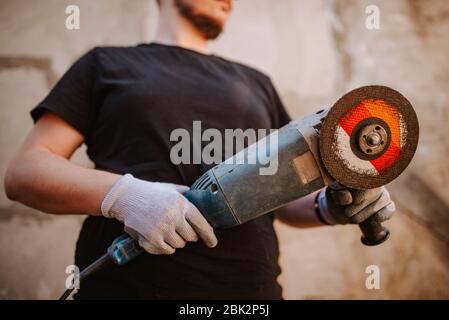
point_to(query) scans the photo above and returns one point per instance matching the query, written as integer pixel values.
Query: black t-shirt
(126, 101)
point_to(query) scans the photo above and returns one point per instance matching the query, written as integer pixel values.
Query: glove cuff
(323, 210)
(116, 191)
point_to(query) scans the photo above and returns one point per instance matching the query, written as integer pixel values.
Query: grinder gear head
(369, 137)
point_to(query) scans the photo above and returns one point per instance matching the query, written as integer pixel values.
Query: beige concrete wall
(314, 50)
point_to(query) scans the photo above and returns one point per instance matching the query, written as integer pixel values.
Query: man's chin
(211, 27)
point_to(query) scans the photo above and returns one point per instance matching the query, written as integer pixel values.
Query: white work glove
(156, 214)
(343, 206)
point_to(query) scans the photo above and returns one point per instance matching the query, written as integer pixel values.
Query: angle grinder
(364, 141)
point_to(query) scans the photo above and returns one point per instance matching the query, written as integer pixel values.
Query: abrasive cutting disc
(369, 137)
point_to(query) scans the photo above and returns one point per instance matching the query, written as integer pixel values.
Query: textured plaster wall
(314, 50)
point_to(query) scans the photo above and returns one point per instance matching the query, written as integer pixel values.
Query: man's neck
(175, 30)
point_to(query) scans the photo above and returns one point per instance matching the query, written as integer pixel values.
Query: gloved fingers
(341, 197)
(175, 240)
(372, 208)
(133, 233)
(186, 231)
(157, 245)
(366, 196)
(363, 198)
(386, 213)
(158, 248)
(200, 225)
(337, 186)
(178, 187)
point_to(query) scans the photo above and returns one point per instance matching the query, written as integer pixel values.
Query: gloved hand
(339, 205)
(156, 214)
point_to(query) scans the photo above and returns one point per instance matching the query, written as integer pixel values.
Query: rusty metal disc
(369, 137)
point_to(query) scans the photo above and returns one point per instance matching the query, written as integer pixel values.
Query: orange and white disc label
(370, 108)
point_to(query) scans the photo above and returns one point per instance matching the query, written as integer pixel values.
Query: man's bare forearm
(51, 183)
(300, 213)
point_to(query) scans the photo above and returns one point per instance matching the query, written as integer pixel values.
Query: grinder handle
(373, 232)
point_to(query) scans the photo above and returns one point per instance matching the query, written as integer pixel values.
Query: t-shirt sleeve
(72, 98)
(280, 116)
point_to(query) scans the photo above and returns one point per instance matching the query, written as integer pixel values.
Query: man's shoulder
(249, 70)
(114, 57)
(114, 50)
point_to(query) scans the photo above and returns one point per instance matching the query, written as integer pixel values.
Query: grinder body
(235, 191)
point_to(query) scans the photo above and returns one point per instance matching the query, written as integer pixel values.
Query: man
(124, 103)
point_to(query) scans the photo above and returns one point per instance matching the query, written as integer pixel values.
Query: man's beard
(209, 27)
